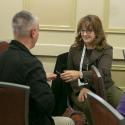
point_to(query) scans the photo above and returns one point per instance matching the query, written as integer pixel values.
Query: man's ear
(32, 33)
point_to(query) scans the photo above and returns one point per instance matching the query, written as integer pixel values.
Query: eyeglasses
(87, 31)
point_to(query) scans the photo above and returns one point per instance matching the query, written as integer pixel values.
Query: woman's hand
(70, 75)
(50, 76)
(83, 94)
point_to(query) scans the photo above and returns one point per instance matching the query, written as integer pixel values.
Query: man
(18, 65)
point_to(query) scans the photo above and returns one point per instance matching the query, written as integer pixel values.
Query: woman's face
(88, 36)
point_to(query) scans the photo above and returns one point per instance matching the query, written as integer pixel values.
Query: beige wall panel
(53, 14)
(114, 11)
(85, 7)
(118, 75)
(117, 40)
(118, 43)
(7, 10)
(119, 78)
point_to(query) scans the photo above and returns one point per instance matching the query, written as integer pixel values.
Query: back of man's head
(22, 23)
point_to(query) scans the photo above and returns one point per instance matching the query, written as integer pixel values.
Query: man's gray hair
(22, 22)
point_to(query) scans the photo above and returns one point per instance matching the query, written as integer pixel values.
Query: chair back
(102, 112)
(3, 46)
(14, 101)
(98, 82)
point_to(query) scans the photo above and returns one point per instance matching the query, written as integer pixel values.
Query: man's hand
(50, 76)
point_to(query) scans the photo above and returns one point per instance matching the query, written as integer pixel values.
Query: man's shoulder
(22, 57)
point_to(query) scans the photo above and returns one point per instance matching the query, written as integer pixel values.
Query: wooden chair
(103, 113)
(14, 101)
(98, 82)
(3, 46)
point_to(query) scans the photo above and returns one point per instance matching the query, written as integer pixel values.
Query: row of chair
(15, 100)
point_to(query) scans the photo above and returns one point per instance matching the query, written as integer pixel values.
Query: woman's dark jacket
(102, 59)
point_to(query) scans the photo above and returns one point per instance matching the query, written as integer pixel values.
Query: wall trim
(123, 88)
(50, 49)
(118, 67)
(56, 49)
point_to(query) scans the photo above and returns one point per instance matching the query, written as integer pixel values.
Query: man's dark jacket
(18, 65)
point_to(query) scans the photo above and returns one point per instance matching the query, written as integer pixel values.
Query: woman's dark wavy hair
(91, 22)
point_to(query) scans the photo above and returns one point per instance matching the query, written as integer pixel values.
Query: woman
(90, 48)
